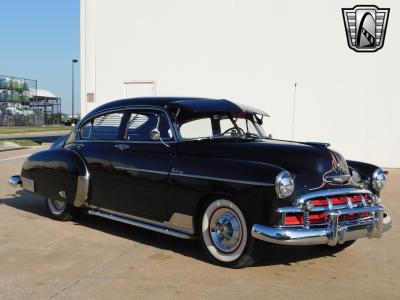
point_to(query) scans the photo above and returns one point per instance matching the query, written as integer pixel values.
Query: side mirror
(155, 134)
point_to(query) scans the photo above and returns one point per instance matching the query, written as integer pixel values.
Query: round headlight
(284, 184)
(378, 179)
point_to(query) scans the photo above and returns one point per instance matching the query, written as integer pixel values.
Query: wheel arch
(60, 174)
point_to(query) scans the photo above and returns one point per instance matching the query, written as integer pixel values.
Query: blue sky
(38, 41)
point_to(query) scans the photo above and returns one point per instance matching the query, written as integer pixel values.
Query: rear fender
(60, 174)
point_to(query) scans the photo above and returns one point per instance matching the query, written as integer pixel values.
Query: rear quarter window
(105, 127)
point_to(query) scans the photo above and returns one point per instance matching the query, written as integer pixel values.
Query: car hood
(314, 165)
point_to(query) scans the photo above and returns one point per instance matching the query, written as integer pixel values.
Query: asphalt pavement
(95, 258)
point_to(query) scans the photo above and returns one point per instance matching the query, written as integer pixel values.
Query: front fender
(60, 174)
(251, 184)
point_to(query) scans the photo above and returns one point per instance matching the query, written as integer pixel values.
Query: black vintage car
(191, 167)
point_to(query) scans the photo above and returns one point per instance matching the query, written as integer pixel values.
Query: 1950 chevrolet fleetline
(192, 167)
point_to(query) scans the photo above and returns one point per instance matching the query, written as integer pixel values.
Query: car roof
(201, 105)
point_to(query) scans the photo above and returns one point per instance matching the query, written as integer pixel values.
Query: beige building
(252, 52)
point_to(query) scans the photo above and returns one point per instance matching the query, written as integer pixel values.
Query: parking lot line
(15, 157)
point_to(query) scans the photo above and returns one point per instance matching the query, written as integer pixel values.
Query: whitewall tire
(61, 210)
(224, 234)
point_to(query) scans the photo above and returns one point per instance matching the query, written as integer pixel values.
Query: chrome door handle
(79, 146)
(121, 147)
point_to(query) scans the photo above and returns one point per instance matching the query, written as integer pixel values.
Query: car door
(140, 166)
(95, 142)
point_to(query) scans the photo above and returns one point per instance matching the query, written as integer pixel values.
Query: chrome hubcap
(56, 206)
(225, 230)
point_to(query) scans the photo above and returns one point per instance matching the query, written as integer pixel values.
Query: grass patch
(22, 129)
(23, 143)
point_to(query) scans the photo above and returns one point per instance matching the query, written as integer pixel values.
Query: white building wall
(252, 52)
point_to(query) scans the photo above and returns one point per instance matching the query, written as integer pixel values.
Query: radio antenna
(294, 108)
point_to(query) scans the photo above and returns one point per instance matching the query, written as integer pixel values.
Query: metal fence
(21, 105)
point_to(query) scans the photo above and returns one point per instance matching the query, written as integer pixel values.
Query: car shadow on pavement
(26, 201)
(271, 254)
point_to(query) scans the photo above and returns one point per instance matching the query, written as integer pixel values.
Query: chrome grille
(351, 206)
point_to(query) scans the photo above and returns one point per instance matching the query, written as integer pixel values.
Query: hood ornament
(339, 169)
(337, 174)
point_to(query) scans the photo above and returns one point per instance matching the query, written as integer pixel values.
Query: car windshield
(195, 126)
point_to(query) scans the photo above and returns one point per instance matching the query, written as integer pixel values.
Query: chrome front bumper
(318, 236)
(332, 234)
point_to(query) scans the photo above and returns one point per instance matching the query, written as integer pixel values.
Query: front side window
(105, 127)
(141, 123)
(196, 128)
(193, 126)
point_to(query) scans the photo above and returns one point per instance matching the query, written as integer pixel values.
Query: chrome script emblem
(365, 27)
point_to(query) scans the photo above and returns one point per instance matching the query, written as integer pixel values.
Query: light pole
(73, 90)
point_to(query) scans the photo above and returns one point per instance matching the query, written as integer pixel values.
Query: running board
(140, 224)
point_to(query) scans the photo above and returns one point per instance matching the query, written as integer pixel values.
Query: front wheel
(61, 210)
(225, 236)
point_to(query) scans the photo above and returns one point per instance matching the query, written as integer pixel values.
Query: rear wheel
(61, 210)
(225, 236)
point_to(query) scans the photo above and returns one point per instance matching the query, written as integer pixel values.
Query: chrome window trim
(126, 109)
(174, 127)
(123, 141)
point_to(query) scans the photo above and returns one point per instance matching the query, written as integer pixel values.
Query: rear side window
(141, 124)
(105, 127)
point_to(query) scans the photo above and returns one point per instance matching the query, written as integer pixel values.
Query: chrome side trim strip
(224, 179)
(166, 224)
(196, 176)
(140, 224)
(141, 170)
